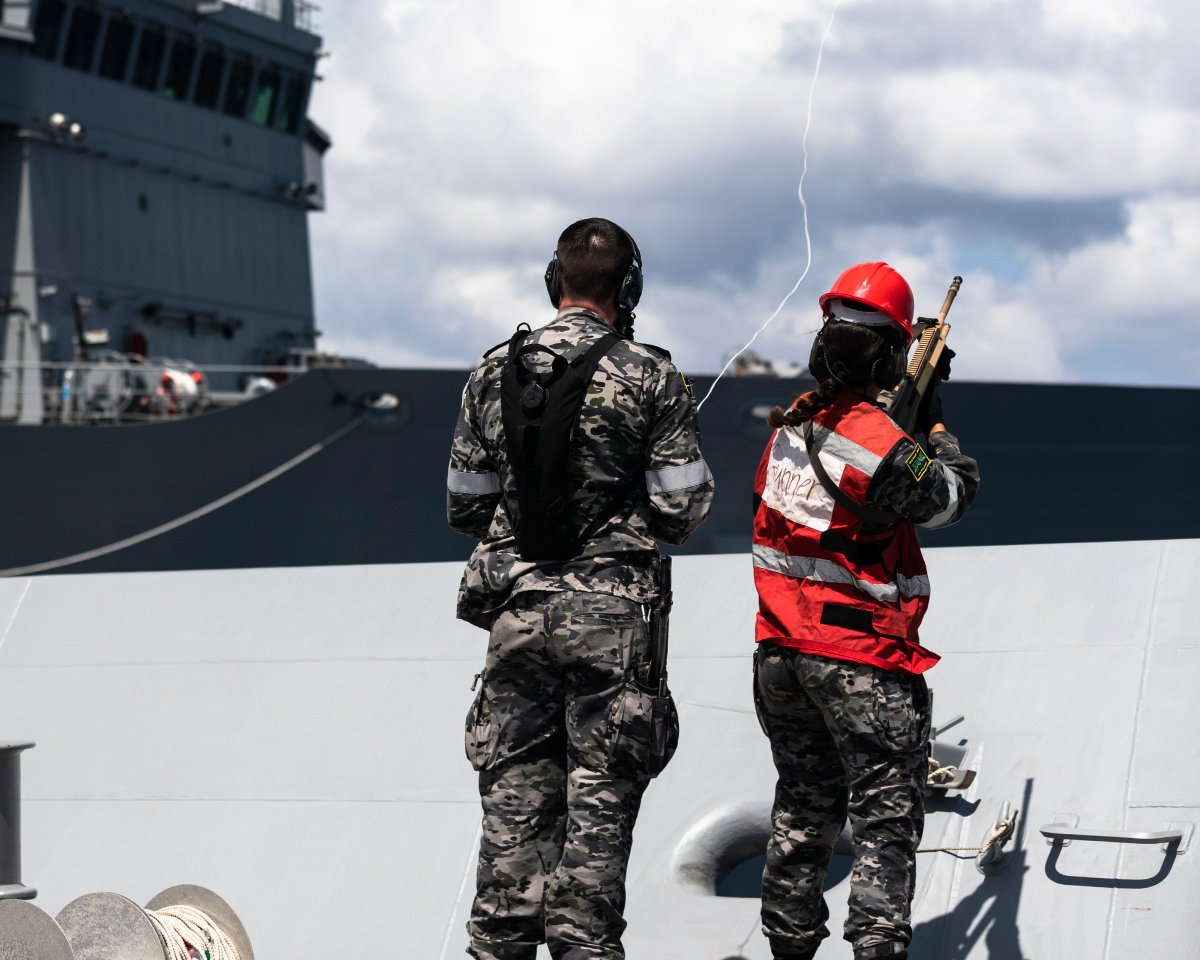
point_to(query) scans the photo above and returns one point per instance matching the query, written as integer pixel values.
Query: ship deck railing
(120, 388)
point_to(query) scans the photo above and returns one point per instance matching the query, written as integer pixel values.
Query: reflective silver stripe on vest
(682, 477)
(474, 483)
(913, 586)
(845, 449)
(826, 571)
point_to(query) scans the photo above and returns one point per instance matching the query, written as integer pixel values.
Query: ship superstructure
(156, 171)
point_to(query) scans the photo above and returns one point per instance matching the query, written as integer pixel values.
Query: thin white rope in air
(803, 205)
(196, 514)
(187, 933)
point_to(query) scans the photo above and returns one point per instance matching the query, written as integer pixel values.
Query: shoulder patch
(917, 462)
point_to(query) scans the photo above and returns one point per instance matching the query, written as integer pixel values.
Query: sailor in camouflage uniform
(561, 770)
(838, 673)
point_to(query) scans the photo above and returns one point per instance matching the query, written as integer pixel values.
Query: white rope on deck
(188, 934)
(1002, 832)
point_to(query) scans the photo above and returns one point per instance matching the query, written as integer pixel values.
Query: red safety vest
(823, 586)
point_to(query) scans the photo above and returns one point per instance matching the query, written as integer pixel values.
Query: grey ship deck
(292, 739)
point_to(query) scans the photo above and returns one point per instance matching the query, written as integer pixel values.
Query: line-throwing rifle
(922, 368)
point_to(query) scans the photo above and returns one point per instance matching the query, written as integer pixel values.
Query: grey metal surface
(263, 730)
(108, 926)
(11, 887)
(184, 224)
(29, 933)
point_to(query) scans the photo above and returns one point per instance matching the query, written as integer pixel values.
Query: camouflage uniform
(849, 739)
(846, 738)
(561, 767)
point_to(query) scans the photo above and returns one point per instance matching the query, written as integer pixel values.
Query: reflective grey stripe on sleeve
(953, 481)
(474, 483)
(683, 477)
(845, 450)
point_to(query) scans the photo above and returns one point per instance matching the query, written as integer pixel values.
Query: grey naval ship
(226, 615)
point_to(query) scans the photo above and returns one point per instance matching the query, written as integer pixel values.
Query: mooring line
(178, 522)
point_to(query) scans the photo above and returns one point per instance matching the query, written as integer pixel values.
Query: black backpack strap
(587, 363)
(540, 411)
(840, 497)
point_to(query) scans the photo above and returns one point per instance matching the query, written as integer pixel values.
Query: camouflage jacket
(942, 495)
(637, 431)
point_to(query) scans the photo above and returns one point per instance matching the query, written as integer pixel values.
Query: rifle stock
(924, 363)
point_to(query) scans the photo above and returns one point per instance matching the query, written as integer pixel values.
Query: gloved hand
(929, 411)
(943, 367)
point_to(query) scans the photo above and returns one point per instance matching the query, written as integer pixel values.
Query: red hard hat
(879, 286)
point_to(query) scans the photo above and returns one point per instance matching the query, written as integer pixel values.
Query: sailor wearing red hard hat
(842, 587)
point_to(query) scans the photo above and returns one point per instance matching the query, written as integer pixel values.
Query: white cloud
(1104, 22)
(1045, 149)
(1028, 133)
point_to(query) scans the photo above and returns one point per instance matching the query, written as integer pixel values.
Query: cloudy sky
(1046, 150)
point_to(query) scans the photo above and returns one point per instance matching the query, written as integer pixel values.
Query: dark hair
(593, 257)
(845, 360)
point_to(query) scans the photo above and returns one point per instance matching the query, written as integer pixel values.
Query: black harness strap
(540, 412)
(840, 497)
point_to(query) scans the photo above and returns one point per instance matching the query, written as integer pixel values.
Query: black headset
(890, 363)
(887, 369)
(631, 286)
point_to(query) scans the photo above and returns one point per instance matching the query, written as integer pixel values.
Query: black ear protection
(819, 359)
(890, 363)
(631, 286)
(887, 370)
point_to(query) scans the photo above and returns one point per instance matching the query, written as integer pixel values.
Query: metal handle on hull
(1066, 829)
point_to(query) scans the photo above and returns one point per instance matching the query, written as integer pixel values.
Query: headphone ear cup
(816, 361)
(554, 281)
(899, 364)
(888, 369)
(631, 288)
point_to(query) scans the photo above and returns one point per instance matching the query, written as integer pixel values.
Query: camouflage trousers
(561, 777)
(847, 740)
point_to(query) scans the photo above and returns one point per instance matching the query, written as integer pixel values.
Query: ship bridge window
(291, 106)
(148, 64)
(114, 55)
(14, 15)
(262, 110)
(47, 26)
(81, 39)
(238, 90)
(179, 69)
(208, 82)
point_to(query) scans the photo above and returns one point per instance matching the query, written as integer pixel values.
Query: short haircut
(593, 257)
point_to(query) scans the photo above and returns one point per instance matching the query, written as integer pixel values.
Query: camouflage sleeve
(678, 481)
(930, 491)
(472, 484)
